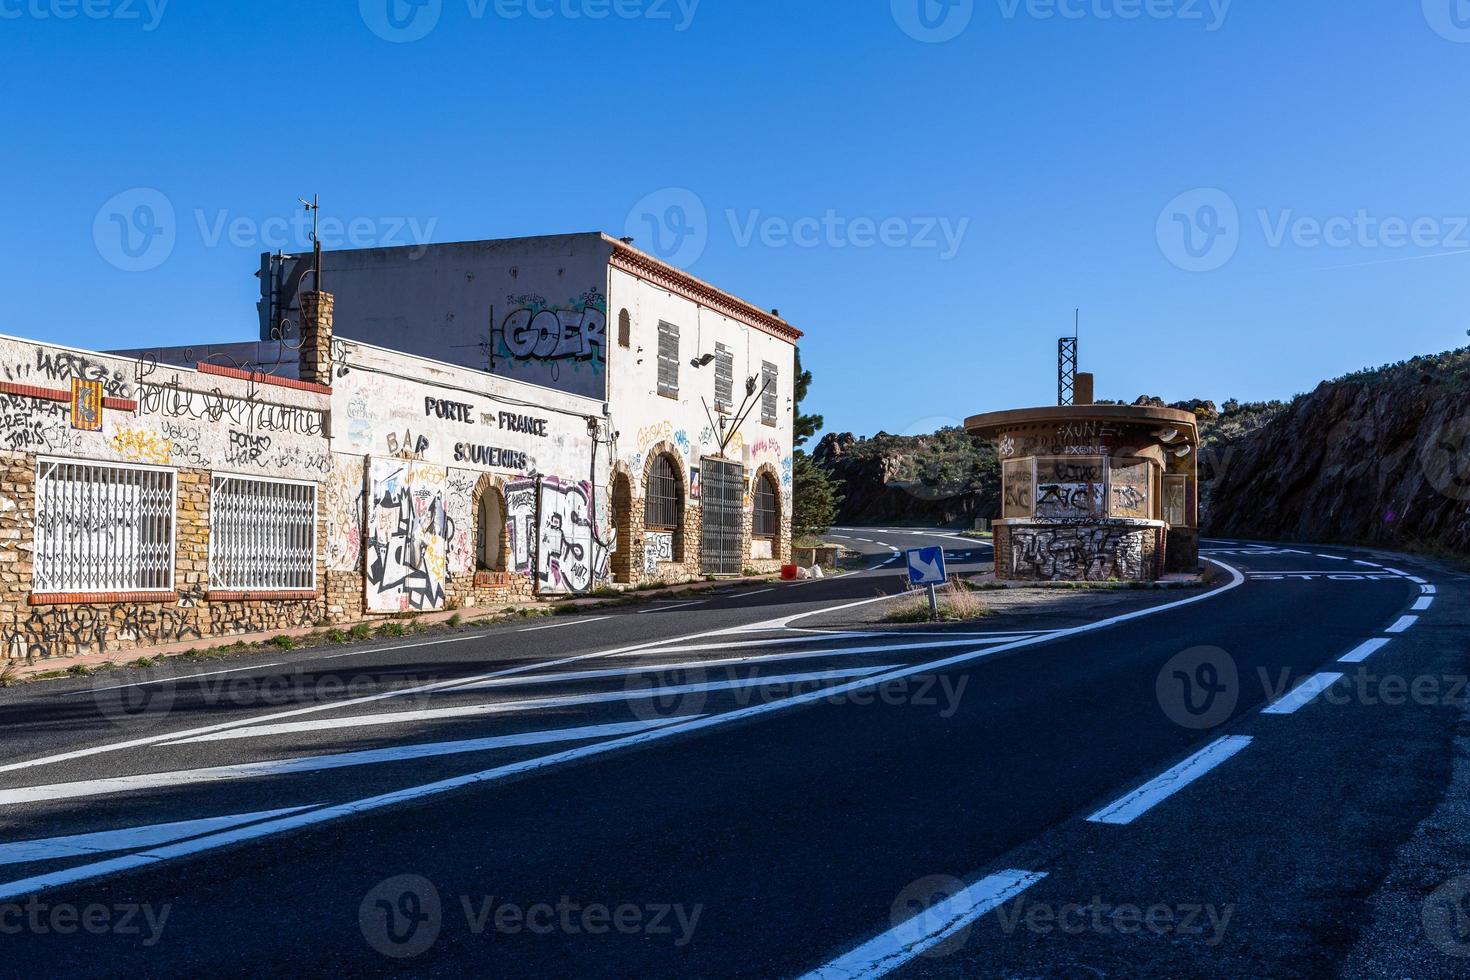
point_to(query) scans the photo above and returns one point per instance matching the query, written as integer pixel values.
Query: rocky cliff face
(944, 478)
(1380, 457)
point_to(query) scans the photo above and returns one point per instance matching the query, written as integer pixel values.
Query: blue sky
(1243, 198)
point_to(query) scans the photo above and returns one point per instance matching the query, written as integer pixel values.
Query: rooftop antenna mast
(1067, 363)
(314, 207)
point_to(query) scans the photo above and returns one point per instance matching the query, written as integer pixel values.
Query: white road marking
(653, 668)
(1403, 625)
(1417, 580)
(1427, 589)
(913, 937)
(676, 605)
(330, 813)
(1359, 561)
(746, 595)
(102, 842)
(1424, 603)
(1362, 652)
(557, 626)
(314, 763)
(169, 680)
(885, 648)
(529, 704)
(1397, 571)
(1333, 557)
(1165, 785)
(749, 644)
(1303, 694)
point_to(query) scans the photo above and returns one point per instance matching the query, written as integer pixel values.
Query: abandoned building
(1095, 492)
(454, 427)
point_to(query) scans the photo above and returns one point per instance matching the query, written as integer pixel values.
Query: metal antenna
(1067, 364)
(314, 206)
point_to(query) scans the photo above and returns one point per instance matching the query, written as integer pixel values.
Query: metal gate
(722, 496)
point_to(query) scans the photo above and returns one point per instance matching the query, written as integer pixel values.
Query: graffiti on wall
(520, 509)
(658, 548)
(344, 498)
(459, 503)
(1130, 484)
(406, 561)
(1082, 553)
(563, 347)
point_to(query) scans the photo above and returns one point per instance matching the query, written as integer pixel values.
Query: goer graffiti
(406, 559)
(562, 346)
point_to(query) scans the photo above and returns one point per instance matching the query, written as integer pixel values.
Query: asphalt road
(713, 787)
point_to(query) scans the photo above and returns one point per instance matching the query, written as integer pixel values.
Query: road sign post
(926, 568)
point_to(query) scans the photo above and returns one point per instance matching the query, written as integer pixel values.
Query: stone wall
(103, 623)
(1091, 552)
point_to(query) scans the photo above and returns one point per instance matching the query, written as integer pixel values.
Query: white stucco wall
(644, 418)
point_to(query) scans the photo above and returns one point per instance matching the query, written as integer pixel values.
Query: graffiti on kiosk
(406, 560)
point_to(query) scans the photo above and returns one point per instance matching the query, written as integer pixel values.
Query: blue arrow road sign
(926, 566)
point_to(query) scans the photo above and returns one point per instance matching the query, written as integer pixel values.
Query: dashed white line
(1134, 805)
(1305, 693)
(1370, 564)
(676, 605)
(167, 680)
(102, 842)
(1417, 580)
(557, 626)
(1427, 589)
(1362, 652)
(1424, 603)
(913, 937)
(1333, 557)
(1404, 623)
(1397, 571)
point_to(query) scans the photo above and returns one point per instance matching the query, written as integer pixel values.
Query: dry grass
(959, 603)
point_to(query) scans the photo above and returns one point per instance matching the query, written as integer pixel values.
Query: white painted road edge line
(1403, 625)
(1166, 784)
(161, 680)
(1419, 581)
(1424, 603)
(1333, 557)
(1360, 653)
(398, 797)
(557, 626)
(1305, 693)
(1427, 589)
(913, 937)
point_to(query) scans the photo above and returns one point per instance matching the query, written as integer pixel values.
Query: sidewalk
(21, 670)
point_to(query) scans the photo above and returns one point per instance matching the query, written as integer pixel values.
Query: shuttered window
(768, 398)
(665, 495)
(262, 534)
(668, 359)
(767, 515)
(103, 528)
(724, 377)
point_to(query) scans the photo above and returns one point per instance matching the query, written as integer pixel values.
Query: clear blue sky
(1056, 144)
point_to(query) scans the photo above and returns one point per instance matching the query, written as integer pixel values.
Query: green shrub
(284, 642)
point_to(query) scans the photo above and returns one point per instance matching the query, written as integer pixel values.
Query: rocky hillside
(1377, 457)
(944, 478)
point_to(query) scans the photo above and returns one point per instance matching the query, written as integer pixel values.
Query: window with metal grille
(103, 528)
(262, 534)
(768, 397)
(625, 329)
(724, 377)
(665, 496)
(668, 359)
(767, 514)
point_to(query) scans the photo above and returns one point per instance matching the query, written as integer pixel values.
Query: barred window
(767, 513)
(724, 377)
(262, 534)
(665, 496)
(668, 359)
(768, 396)
(103, 527)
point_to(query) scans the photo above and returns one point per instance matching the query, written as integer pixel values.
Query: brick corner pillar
(316, 337)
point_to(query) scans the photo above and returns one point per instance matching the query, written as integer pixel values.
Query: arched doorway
(622, 508)
(492, 546)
